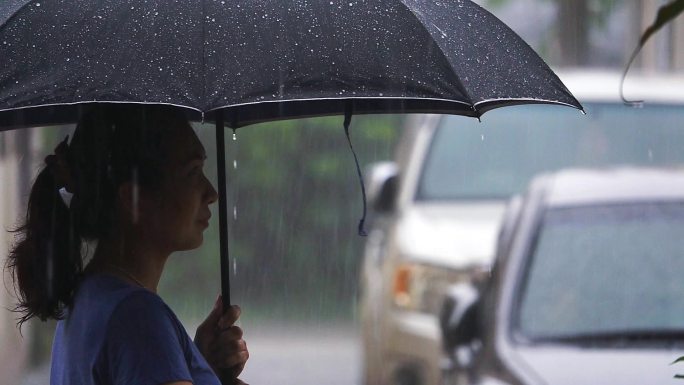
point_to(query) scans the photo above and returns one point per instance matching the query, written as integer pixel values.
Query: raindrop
(234, 266)
(650, 155)
(482, 137)
(37, 4)
(235, 164)
(234, 135)
(235, 213)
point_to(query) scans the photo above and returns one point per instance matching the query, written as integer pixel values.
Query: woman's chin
(191, 244)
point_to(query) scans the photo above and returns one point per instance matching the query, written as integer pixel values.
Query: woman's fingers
(231, 332)
(229, 317)
(234, 361)
(230, 346)
(237, 369)
(230, 350)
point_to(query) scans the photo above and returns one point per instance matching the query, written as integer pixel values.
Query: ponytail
(45, 263)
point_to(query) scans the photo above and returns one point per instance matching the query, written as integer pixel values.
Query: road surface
(287, 355)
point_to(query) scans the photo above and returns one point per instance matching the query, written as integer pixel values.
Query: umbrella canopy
(241, 63)
(264, 60)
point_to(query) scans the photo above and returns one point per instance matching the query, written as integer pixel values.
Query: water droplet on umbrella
(234, 136)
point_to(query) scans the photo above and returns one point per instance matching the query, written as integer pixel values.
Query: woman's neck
(129, 260)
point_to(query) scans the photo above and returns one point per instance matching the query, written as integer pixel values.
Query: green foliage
(297, 201)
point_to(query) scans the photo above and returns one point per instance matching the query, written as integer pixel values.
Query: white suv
(438, 206)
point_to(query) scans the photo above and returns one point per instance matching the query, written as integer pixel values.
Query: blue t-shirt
(116, 333)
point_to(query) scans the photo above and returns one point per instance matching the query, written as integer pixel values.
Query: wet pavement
(288, 355)
(303, 355)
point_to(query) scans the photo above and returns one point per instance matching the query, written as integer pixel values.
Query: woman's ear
(130, 203)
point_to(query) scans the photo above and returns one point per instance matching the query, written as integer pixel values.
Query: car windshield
(605, 271)
(496, 158)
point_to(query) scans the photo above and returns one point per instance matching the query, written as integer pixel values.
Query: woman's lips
(205, 220)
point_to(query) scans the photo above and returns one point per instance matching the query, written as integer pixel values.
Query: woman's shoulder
(113, 300)
(139, 308)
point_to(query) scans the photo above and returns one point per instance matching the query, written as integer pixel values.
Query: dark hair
(112, 144)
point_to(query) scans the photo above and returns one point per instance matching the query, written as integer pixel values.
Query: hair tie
(58, 164)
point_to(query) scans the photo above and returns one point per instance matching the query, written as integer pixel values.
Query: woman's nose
(211, 194)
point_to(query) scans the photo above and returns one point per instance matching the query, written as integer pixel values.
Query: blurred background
(295, 201)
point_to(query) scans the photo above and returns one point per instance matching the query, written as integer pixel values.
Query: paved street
(289, 355)
(299, 355)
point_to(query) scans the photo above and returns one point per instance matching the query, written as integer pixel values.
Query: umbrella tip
(582, 111)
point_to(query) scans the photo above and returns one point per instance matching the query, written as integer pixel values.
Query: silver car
(438, 206)
(586, 287)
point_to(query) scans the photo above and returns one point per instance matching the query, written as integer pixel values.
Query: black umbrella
(239, 63)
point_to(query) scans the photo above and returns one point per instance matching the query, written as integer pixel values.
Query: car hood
(446, 234)
(576, 366)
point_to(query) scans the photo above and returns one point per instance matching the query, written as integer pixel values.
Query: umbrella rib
(460, 86)
(98, 101)
(544, 101)
(339, 98)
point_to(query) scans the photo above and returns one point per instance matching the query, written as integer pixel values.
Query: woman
(131, 183)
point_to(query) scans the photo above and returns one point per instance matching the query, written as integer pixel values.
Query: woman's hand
(221, 343)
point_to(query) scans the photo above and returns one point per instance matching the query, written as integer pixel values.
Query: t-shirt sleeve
(144, 344)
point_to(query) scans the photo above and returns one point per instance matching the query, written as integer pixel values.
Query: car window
(605, 270)
(496, 158)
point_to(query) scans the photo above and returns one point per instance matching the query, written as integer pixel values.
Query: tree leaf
(666, 13)
(680, 359)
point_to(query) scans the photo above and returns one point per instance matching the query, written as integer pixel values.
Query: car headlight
(421, 287)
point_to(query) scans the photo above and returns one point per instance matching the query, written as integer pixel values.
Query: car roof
(581, 187)
(604, 86)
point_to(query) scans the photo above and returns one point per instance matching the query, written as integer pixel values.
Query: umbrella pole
(223, 209)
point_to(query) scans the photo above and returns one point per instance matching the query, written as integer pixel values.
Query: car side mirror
(459, 317)
(382, 183)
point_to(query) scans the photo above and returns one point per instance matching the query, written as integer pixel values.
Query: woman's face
(176, 214)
